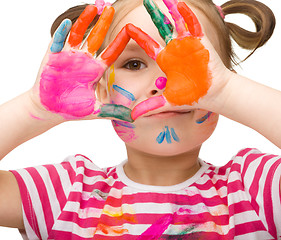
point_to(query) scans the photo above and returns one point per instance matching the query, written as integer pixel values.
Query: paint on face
(168, 134)
(204, 118)
(116, 111)
(147, 106)
(111, 77)
(161, 83)
(67, 82)
(60, 36)
(125, 130)
(124, 92)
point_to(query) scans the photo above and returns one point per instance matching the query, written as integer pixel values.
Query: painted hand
(71, 72)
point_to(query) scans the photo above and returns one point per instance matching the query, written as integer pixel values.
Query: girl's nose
(158, 86)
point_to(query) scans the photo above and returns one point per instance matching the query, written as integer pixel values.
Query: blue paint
(124, 92)
(60, 36)
(204, 118)
(161, 137)
(174, 135)
(169, 134)
(124, 124)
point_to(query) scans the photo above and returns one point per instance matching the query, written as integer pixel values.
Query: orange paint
(80, 26)
(185, 62)
(191, 20)
(99, 31)
(110, 229)
(151, 47)
(116, 47)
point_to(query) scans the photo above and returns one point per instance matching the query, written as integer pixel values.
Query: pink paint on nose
(148, 105)
(161, 82)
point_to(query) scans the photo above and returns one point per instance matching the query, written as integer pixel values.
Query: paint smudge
(147, 106)
(168, 134)
(111, 77)
(161, 83)
(204, 118)
(60, 36)
(116, 111)
(157, 229)
(124, 130)
(124, 92)
(110, 230)
(66, 84)
(101, 4)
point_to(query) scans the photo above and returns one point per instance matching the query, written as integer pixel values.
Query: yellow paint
(111, 78)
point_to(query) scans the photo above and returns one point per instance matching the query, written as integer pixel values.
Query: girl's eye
(134, 65)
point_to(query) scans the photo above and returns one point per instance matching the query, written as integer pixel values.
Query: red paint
(99, 31)
(80, 26)
(191, 20)
(151, 47)
(116, 47)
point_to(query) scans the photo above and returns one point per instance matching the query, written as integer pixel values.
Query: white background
(24, 38)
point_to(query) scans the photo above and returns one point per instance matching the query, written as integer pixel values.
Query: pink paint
(148, 105)
(124, 130)
(157, 229)
(67, 84)
(100, 4)
(161, 83)
(34, 117)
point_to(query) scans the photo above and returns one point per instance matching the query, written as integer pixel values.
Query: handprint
(68, 79)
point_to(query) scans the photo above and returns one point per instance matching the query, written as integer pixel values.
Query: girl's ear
(102, 91)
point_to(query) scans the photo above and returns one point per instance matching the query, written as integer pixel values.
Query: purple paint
(67, 84)
(161, 83)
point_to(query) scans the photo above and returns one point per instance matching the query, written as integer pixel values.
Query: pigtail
(72, 14)
(262, 17)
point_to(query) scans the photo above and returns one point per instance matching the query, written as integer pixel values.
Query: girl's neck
(161, 170)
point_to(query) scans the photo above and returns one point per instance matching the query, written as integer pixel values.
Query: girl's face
(135, 77)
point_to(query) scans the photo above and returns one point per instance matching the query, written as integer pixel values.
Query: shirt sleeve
(261, 174)
(44, 191)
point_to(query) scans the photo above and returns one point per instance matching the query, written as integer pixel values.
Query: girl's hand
(70, 72)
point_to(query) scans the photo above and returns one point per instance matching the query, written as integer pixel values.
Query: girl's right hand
(69, 72)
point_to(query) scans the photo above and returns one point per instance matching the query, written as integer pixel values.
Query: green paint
(159, 19)
(116, 111)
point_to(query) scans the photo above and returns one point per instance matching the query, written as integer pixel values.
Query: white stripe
(36, 202)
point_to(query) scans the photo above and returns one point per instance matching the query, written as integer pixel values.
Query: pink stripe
(267, 198)
(70, 171)
(249, 159)
(249, 227)
(27, 205)
(235, 186)
(57, 185)
(243, 152)
(240, 207)
(254, 189)
(44, 198)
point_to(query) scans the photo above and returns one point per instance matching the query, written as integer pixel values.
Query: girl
(163, 110)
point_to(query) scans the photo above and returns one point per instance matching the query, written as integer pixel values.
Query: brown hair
(259, 13)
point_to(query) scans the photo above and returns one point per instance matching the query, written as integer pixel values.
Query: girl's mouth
(168, 114)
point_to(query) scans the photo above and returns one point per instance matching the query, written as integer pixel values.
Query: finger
(99, 31)
(116, 111)
(151, 47)
(193, 25)
(117, 46)
(161, 21)
(79, 28)
(60, 36)
(179, 21)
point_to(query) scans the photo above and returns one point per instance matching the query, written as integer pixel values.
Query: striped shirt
(78, 200)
